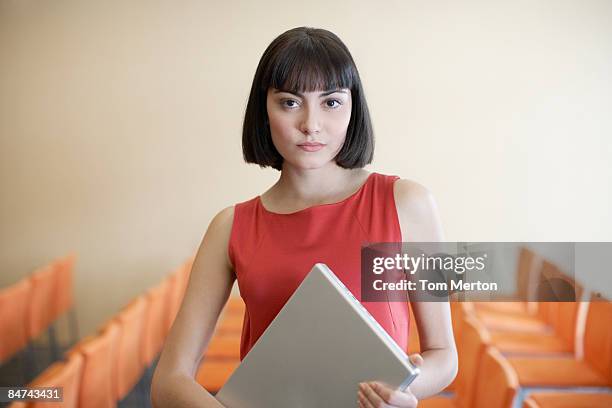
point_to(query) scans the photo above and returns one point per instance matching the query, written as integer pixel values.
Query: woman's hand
(375, 394)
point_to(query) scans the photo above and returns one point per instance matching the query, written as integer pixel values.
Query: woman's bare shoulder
(224, 217)
(221, 224)
(218, 235)
(417, 211)
(412, 198)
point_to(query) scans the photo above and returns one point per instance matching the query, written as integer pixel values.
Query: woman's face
(308, 129)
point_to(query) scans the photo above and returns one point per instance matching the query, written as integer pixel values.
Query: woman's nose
(310, 123)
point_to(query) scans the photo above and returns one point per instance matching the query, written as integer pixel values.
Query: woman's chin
(310, 164)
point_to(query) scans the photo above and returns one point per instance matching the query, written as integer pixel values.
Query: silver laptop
(316, 351)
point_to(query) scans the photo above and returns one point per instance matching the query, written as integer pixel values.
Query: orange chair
(473, 343)
(547, 312)
(14, 302)
(64, 296)
(528, 274)
(223, 346)
(129, 362)
(562, 317)
(64, 300)
(529, 403)
(496, 384)
(96, 379)
(222, 355)
(176, 291)
(474, 340)
(225, 343)
(41, 311)
(231, 317)
(112, 330)
(186, 272)
(568, 400)
(169, 314)
(414, 344)
(188, 264)
(213, 373)
(595, 370)
(155, 330)
(61, 374)
(234, 306)
(230, 325)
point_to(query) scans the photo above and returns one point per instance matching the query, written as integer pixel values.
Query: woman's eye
(333, 103)
(289, 103)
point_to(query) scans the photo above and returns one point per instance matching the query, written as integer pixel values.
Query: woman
(307, 117)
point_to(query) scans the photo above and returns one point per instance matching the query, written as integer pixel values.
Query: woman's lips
(311, 147)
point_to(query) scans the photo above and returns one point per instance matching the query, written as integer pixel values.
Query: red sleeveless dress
(272, 253)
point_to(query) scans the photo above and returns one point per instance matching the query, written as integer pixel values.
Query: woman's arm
(209, 287)
(420, 222)
(438, 349)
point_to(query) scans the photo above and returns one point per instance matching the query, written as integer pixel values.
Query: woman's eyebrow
(322, 94)
(332, 91)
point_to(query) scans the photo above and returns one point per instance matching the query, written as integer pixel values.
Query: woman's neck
(299, 188)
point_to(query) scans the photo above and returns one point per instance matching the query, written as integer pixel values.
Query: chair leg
(29, 363)
(74, 325)
(142, 392)
(53, 343)
(151, 370)
(25, 361)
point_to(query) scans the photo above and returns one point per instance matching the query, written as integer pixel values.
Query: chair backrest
(18, 404)
(129, 362)
(65, 374)
(223, 347)
(112, 330)
(525, 273)
(235, 306)
(563, 316)
(547, 311)
(565, 326)
(42, 302)
(96, 379)
(473, 343)
(414, 342)
(14, 302)
(457, 314)
(555, 284)
(64, 294)
(230, 324)
(155, 327)
(187, 266)
(175, 294)
(185, 272)
(598, 336)
(497, 382)
(171, 301)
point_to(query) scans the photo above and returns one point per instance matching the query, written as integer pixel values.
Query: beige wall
(120, 122)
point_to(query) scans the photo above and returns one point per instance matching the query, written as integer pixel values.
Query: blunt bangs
(306, 64)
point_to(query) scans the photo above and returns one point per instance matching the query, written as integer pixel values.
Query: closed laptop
(315, 352)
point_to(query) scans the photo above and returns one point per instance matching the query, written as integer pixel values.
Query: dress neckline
(312, 207)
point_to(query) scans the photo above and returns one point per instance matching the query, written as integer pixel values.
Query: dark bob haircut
(306, 59)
